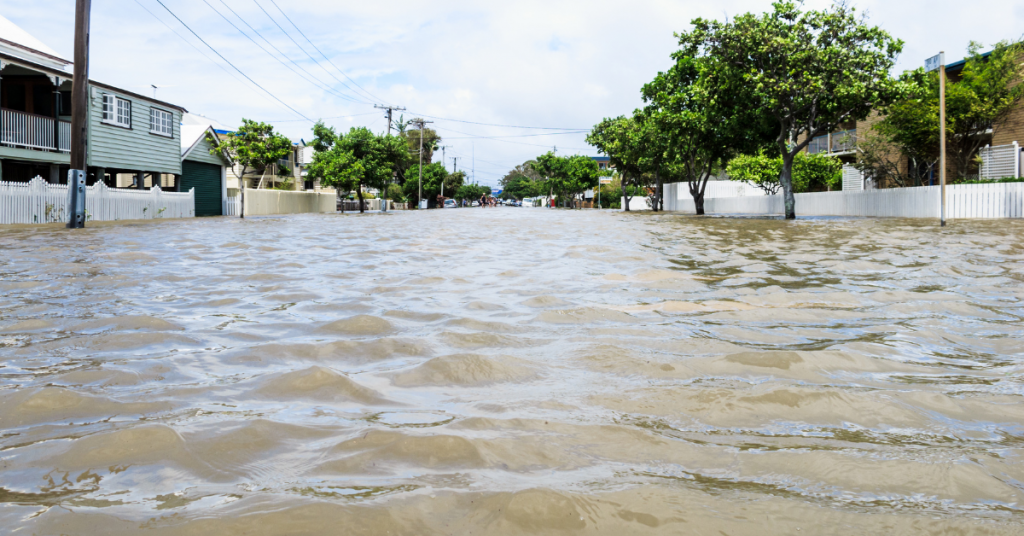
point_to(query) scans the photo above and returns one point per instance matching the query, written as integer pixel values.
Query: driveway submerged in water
(512, 371)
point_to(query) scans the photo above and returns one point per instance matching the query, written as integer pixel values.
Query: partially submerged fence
(267, 202)
(38, 201)
(997, 200)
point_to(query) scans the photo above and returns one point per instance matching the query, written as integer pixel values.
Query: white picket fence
(996, 200)
(232, 206)
(37, 201)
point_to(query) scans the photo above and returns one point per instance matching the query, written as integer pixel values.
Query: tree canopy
(569, 176)
(808, 71)
(622, 140)
(253, 146)
(358, 160)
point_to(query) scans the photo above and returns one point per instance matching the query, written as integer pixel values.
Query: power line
(311, 78)
(286, 34)
(372, 96)
(321, 86)
(496, 125)
(332, 117)
(509, 141)
(197, 49)
(231, 64)
(516, 135)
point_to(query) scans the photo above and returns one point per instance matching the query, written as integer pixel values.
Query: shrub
(816, 171)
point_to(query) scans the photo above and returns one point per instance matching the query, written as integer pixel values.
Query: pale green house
(133, 140)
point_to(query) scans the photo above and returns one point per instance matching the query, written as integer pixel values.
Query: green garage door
(205, 178)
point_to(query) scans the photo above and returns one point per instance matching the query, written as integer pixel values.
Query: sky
(478, 69)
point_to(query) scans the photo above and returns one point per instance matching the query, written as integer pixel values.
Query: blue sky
(558, 64)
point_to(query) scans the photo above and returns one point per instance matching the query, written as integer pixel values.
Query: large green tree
(253, 146)
(621, 140)
(569, 176)
(701, 132)
(988, 90)
(903, 147)
(356, 161)
(808, 71)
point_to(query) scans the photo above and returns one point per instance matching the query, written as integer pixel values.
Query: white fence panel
(996, 200)
(232, 206)
(260, 202)
(999, 161)
(40, 202)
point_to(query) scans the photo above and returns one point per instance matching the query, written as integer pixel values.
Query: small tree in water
(253, 146)
(808, 72)
(355, 161)
(621, 139)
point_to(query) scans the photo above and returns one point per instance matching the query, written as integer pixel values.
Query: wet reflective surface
(512, 371)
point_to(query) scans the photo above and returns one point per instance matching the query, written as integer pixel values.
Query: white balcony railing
(21, 129)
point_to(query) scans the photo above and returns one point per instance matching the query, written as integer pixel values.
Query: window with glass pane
(160, 122)
(124, 112)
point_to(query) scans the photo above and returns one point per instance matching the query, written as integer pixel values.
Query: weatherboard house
(134, 141)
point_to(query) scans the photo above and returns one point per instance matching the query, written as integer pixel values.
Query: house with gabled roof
(133, 140)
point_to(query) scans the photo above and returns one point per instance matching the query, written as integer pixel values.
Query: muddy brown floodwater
(512, 371)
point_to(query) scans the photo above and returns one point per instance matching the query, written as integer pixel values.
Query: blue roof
(600, 158)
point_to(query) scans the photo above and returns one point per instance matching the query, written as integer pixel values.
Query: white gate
(999, 162)
(853, 179)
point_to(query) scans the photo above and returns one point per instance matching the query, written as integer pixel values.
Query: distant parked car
(475, 204)
(450, 203)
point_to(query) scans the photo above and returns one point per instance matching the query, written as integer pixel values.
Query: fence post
(1016, 160)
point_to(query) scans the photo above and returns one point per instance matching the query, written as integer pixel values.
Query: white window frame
(117, 111)
(161, 122)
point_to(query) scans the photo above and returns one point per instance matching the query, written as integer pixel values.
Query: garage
(202, 170)
(205, 178)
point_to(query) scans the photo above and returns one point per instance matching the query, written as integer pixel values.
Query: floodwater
(512, 371)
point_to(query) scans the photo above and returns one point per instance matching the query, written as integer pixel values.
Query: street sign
(606, 180)
(933, 63)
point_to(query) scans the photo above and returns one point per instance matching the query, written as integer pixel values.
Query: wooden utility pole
(390, 111)
(79, 118)
(445, 166)
(419, 196)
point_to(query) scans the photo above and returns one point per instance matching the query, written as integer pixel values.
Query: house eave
(22, 62)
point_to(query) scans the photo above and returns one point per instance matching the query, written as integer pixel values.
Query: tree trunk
(698, 203)
(625, 192)
(787, 185)
(241, 191)
(341, 198)
(359, 194)
(657, 192)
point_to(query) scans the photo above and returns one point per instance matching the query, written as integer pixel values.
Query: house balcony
(840, 142)
(31, 131)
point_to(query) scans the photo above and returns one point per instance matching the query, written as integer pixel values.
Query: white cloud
(557, 64)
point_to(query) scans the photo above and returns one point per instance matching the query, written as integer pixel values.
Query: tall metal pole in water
(79, 118)
(942, 133)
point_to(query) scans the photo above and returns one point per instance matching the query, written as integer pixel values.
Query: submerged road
(512, 371)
